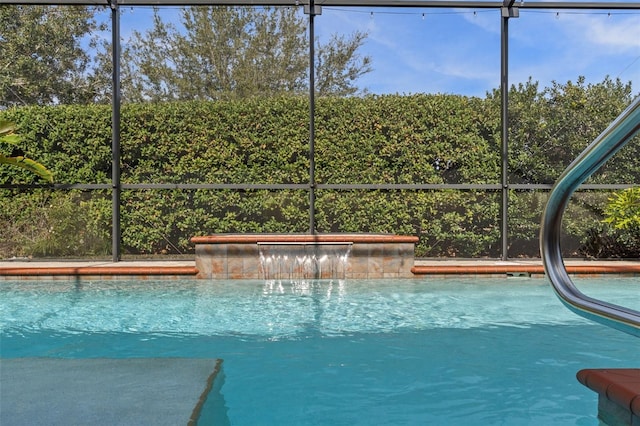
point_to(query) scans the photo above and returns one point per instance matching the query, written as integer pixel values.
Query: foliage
(338, 65)
(265, 141)
(47, 223)
(17, 158)
(405, 139)
(73, 141)
(623, 210)
(378, 140)
(55, 55)
(42, 57)
(525, 210)
(602, 241)
(224, 52)
(549, 127)
(448, 223)
(619, 233)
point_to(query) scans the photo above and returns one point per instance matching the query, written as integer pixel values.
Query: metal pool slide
(612, 139)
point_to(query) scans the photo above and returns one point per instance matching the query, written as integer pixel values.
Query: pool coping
(618, 392)
(529, 267)
(61, 270)
(186, 269)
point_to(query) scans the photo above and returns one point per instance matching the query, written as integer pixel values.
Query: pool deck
(161, 269)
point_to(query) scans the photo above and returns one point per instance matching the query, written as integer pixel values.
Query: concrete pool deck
(186, 269)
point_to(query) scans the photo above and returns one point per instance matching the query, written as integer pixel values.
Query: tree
(43, 60)
(548, 128)
(339, 65)
(236, 52)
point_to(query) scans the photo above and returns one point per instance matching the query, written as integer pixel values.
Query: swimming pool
(460, 351)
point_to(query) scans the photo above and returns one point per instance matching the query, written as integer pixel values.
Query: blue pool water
(408, 352)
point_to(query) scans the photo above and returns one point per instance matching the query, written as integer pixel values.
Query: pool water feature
(300, 261)
(242, 256)
(424, 351)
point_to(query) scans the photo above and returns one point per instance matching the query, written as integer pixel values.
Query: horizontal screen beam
(444, 4)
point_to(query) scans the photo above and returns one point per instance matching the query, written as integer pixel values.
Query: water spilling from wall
(304, 256)
(303, 261)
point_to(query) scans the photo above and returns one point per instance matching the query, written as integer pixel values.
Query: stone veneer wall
(236, 256)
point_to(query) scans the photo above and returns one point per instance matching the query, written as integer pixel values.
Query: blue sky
(458, 50)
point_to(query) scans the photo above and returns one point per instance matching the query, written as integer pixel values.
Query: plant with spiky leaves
(17, 157)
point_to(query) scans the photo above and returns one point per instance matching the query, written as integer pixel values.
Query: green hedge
(377, 139)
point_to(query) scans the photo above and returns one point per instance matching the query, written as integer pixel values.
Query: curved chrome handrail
(619, 132)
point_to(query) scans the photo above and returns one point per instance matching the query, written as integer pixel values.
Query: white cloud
(458, 51)
(562, 47)
(486, 19)
(614, 32)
